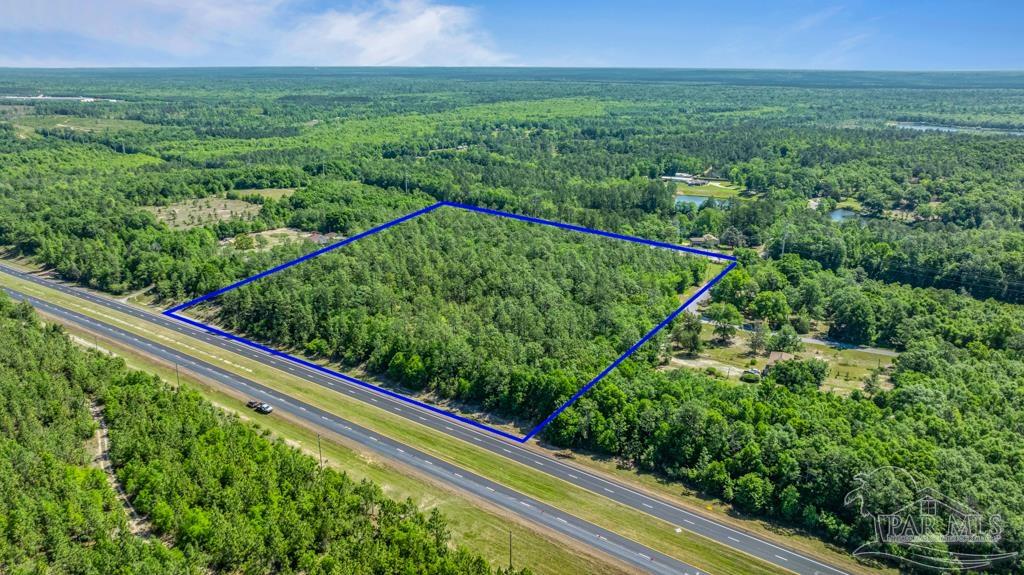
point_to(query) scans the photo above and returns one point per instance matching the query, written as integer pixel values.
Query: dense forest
(783, 448)
(221, 497)
(509, 315)
(846, 210)
(552, 149)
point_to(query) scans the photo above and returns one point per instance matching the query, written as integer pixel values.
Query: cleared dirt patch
(80, 124)
(270, 193)
(8, 111)
(199, 212)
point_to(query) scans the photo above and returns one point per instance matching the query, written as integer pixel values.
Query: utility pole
(510, 549)
(177, 376)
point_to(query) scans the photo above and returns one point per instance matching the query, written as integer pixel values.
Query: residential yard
(849, 367)
(269, 238)
(718, 190)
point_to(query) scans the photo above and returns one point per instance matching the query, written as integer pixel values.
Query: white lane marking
(562, 520)
(608, 490)
(374, 438)
(731, 538)
(491, 489)
(400, 450)
(781, 557)
(648, 505)
(459, 475)
(647, 557)
(573, 476)
(505, 450)
(688, 521)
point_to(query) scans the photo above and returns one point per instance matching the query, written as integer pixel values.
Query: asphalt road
(681, 518)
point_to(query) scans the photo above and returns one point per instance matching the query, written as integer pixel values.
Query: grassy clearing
(198, 212)
(717, 190)
(79, 124)
(473, 525)
(849, 204)
(655, 533)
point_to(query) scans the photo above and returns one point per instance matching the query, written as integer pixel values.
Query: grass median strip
(655, 533)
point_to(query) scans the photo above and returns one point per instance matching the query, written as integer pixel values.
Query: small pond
(692, 199)
(953, 129)
(843, 214)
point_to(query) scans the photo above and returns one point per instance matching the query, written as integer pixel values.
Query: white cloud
(838, 55)
(815, 19)
(217, 32)
(404, 32)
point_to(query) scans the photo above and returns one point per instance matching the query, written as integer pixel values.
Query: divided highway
(535, 511)
(624, 549)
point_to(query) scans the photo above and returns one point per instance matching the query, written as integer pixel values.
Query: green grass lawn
(718, 190)
(849, 204)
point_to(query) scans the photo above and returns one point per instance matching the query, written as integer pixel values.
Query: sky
(842, 35)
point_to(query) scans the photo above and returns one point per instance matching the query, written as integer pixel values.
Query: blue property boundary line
(173, 312)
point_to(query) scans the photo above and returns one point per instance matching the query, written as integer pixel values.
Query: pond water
(842, 214)
(939, 128)
(693, 199)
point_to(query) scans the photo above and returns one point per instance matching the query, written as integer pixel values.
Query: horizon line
(524, 67)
